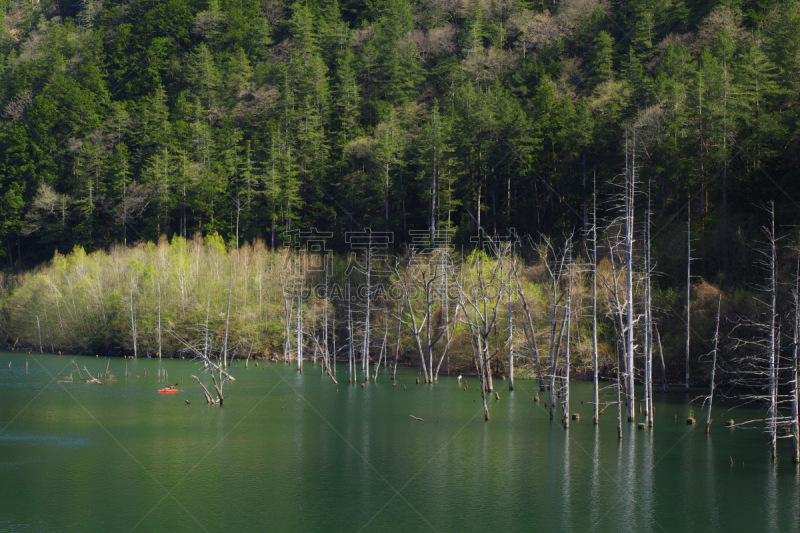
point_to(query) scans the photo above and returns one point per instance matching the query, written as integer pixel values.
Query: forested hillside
(123, 121)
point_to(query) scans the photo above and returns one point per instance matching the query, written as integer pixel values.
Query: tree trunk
(567, 317)
(664, 384)
(527, 327)
(350, 363)
(481, 368)
(325, 350)
(648, 322)
(595, 378)
(39, 331)
(688, 284)
(713, 367)
(227, 321)
(510, 340)
(365, 353)
(629, 223)
(300, 329)
(796, 370)
(619, 394)
(133, 322)
(773, 341)
(159, 320)
(207, 394)
(397, 342)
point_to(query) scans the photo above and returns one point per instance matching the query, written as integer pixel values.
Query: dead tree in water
(481, 291)
(397, 340)
(351, 365)
(212, 360)
(325, 346)
(367, 300)
(159, 319)
(688, 284)
(510, 339)
(630, 188)
(648, 320)
(619, 391)
(300, 339)
(422, 276)
(527, 322)
(760, 342)
(567, 318)
(555, 262)
(288, 306)
(227, 321)
(713, 366)
(134, 332)
(773, 338)
(795, 367)
(595, 369)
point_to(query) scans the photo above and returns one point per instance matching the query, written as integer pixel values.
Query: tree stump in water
(641, 425)
(690, 421)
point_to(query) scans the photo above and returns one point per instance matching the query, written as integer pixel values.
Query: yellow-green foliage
(83, 301)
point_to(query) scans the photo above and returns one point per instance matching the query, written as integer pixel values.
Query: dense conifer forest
(124, 121)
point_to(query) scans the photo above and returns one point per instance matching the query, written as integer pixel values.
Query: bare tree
(397, 340)
(134, 333)
(482, 292)
(688, 284)
(567, 319)
(713, 367)
(288, 306)
(365, 349)
(212, 360)
(795, 367)
(351, 366)
(300, 338)
(595, 369)
(555, 262)
(510, 338)
(421, 276)
(227, 320)
(630, 186)
(527, 322)
(759, 343)
(648, 320)
(772, 355)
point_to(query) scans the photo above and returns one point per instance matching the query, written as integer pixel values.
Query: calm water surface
(298, 453)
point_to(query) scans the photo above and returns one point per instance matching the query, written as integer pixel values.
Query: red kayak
(167, 390)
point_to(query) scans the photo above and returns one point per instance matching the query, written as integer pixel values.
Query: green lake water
(299, 453)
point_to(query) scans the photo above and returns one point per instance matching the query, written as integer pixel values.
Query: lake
(291, 452)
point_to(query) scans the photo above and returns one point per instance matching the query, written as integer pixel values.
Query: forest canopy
(121, 121)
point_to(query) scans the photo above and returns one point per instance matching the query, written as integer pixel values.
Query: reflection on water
(299, 453)
(771, 502)
(711, 483)
(645, 441)
(594, 501)
(566, 485)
